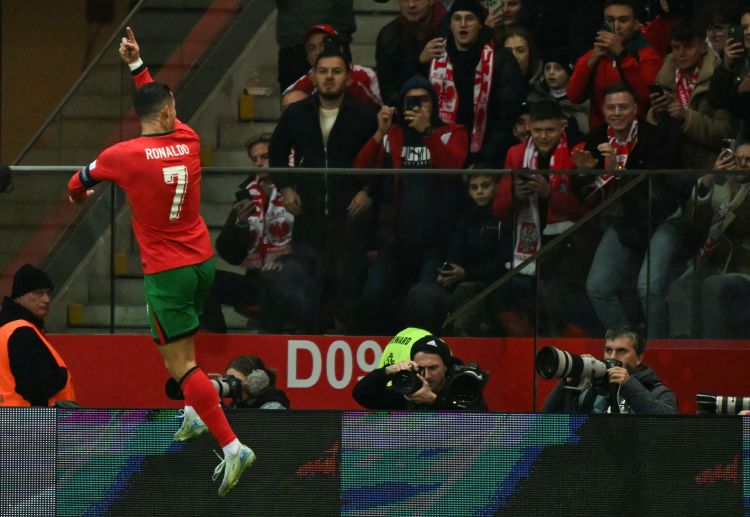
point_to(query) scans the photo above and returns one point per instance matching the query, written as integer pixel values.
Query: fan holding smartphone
(415, 114)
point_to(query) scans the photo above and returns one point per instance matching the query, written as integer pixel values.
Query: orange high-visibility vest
(8, 395)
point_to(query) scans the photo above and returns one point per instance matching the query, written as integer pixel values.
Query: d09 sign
(305, 362)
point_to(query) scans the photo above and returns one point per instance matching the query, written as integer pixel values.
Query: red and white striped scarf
(270, 227)
(528, 234)
(622, 151)
(441, 77)
(686, 85)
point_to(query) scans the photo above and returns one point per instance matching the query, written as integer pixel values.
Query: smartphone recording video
(729, 145)
(656, 88)
(413, 102)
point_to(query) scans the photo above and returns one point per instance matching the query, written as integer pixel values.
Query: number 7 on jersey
(178, 176)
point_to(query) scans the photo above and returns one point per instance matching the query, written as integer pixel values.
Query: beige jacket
(703, 127)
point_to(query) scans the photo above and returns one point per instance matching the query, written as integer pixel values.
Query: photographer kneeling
(420, 373)
(635, 385)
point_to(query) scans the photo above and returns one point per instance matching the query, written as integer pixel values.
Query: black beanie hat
(29, 278)
(468, 5)
(560, 57)
(433, 345)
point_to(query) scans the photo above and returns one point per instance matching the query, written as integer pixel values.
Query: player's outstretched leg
(201, 395)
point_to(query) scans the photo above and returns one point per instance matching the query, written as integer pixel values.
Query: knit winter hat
(433, 345)
(29, 278)
(560, 57)
(468, 5)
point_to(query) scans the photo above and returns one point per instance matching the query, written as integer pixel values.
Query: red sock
(200, 393)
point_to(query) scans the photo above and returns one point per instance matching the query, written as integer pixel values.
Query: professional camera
(552, 362)
(720, 404)
(465, 384)
(406, 382)
(228, 387)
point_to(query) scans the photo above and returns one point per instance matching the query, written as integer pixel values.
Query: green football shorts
(174, 300)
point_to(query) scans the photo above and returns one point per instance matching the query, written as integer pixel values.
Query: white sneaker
(192, 427)
(233, 467)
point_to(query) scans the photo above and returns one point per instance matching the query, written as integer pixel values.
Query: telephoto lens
(552, 362)
(708, 404)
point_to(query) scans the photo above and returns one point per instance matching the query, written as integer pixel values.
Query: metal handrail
(544, 250)
(389, 172)
(82, 77)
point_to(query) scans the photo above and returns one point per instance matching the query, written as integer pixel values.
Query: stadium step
(95, 114)
(90, 315)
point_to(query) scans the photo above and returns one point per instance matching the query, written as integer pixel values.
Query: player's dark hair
(150, 98)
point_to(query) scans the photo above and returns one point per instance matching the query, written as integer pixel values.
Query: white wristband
(135, 64)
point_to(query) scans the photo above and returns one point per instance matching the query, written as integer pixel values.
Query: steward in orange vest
(31, 371)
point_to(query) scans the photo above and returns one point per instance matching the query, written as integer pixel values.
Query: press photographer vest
(8, 394)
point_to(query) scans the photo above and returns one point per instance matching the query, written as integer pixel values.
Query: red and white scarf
(686, 85)
(528, 234)
(441, 77)
(622, 151)
(270, 227)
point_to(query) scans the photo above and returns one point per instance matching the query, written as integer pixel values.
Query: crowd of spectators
(464, 85)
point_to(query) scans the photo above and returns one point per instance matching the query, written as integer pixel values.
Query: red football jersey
(161, 176)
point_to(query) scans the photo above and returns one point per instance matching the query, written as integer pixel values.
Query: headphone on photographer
(257, 381)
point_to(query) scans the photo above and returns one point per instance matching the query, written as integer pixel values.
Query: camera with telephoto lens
(586, 371)
(708, 404)
(465, 384)
(406, 382)
(228, 387)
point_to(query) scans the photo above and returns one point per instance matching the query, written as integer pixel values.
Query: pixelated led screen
(537, 465)
(104, 462)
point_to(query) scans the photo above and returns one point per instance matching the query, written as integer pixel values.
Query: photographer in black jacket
(639, 389)
(431, 360)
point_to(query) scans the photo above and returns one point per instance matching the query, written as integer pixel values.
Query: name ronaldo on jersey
(171, 151)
